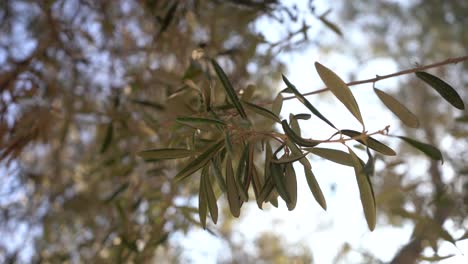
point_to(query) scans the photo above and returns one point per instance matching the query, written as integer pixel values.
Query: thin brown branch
(383, 77)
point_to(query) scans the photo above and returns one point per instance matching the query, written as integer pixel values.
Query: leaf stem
(383, 77)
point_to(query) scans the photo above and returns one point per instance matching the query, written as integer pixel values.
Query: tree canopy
(124, 122)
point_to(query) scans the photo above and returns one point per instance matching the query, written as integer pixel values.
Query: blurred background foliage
(84, 85)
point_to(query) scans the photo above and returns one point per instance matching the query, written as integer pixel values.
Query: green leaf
(266, 189)
(436, 258)
(147, 103)
(310, 177)
(248, 93)
(227, 139)
(157, 154)
(108, 138)
(304, 101)
(443, 88)
(210, 196)
(366, 192)
(331, 26)
(296, 138)
(242, 171)
(302, 116)
(231, 93)
(277, 174)
(334, 155)
(232, 192)
(261, 111)
(431, 151)
(277, 105)
(294, 124)
(202, 203)
(289, 158)
(199, 162)
(199, 120)
(291, 185)
(397, 108)
(370, 142)
(340, 89)
(216, 165)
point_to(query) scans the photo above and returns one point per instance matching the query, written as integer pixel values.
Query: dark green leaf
(436, 258)
(431, 151)
(242, 170)
(202, 203)
(294, 124)
(370, 142)
(397, 108)
(366, 192)
(232, 192)
(296, 138)
(147, 103)
(277, 174)
(266, 189)
(340, 89)
(216, 165)
(231, 93)
(310, 177)
(291, 185)
(304, 101)
(199, 162)
(302, 116)
(108, 138)
(334, 155)
(261, 111)
(157, 154)
(289, 158)
(210, 196)
(443, 88)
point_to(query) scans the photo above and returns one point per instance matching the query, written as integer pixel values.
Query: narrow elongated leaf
(118, 191)
(370, 142)
(310, 177)
(431, 151)
(231, 93)
(242, 170)
(266, 189)
(108, 138)
(443, 88)
(289, 159)
(340, 89)
(277, 174)
(157, 154)
(397, 108)
(304, 101)
(331, 26)
(291, 185)
(232, 192)
(334, 155)
(296, 138)
(366, 192)
(294, 124)
(227, 139)
(202, 203)
(200, 120)
(210, 196)
(302, 116)
(199, 162)
(154, 105)
(261, 111)
(436, 258)
(216, 165)
(277, 105)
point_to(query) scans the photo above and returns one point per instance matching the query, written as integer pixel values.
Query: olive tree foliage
(431, 196)
(85, 85)
(92, 89)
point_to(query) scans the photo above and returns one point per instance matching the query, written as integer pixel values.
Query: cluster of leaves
(226, 144)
